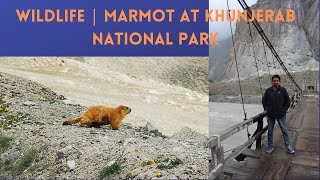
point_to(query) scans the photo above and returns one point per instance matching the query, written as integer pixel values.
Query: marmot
(95, 116)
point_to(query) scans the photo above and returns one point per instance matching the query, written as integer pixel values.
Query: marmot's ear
(124, 107)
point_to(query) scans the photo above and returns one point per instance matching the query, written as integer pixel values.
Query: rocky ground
(35, 144)
(228, 91)
(156, 88)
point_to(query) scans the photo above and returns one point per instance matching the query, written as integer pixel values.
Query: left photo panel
(104, 117)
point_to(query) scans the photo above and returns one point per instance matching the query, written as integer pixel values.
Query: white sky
(223, 28)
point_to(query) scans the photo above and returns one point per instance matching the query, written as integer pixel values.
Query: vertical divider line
(94, 17)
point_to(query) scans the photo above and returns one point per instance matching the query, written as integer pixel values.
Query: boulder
(64, 152)
(29, 103)
(8, 158)
(150, 127)
(71, 165)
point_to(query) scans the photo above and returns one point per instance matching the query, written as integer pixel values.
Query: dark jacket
(276, 102)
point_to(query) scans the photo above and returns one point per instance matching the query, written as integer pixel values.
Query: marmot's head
(124, 110)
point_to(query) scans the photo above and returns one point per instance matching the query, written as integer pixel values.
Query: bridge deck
(303, 125)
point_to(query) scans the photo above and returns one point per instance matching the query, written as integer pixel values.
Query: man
(276, 102)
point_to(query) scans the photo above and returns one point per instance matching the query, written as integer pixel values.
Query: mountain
(219, 55)
(296, 43)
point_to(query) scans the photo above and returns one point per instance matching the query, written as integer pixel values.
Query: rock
(67, 101)
(106, 127)
(9, 158)
(194, 167)
(61, 97)
(71, 165)
(110, 163)
(93, 132)
(172, 177)
(152, 131)
(150, 127)
(145, 175)
(172, 141)
(39, 158)
(180, 158)
(129, 141)
(186, 134)
(145, 172)
(29, 103)
(64, 152)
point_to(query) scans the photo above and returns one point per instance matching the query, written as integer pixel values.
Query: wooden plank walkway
(303, 126)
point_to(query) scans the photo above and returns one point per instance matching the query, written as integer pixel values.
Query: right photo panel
(264, 90)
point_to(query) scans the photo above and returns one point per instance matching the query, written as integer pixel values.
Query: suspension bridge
(249, 160)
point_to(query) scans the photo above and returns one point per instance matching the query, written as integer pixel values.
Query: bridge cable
(282, 72)
(266, 40)
(255, 59)
(274, 64)
(265, 56)
(285, 76)
(235, 58)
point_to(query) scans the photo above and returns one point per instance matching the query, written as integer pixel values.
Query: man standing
(276, 102)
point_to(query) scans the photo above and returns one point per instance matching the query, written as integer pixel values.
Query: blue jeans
(283, 127)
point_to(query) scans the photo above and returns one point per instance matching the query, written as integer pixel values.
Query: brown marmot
(95, 116)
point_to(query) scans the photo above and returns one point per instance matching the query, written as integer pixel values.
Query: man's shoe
(290, 149)
(269, 150)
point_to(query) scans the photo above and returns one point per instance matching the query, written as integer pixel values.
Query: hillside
(171, 90)
(35, 144)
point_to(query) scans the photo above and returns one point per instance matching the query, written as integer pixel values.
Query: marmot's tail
(72, 121)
